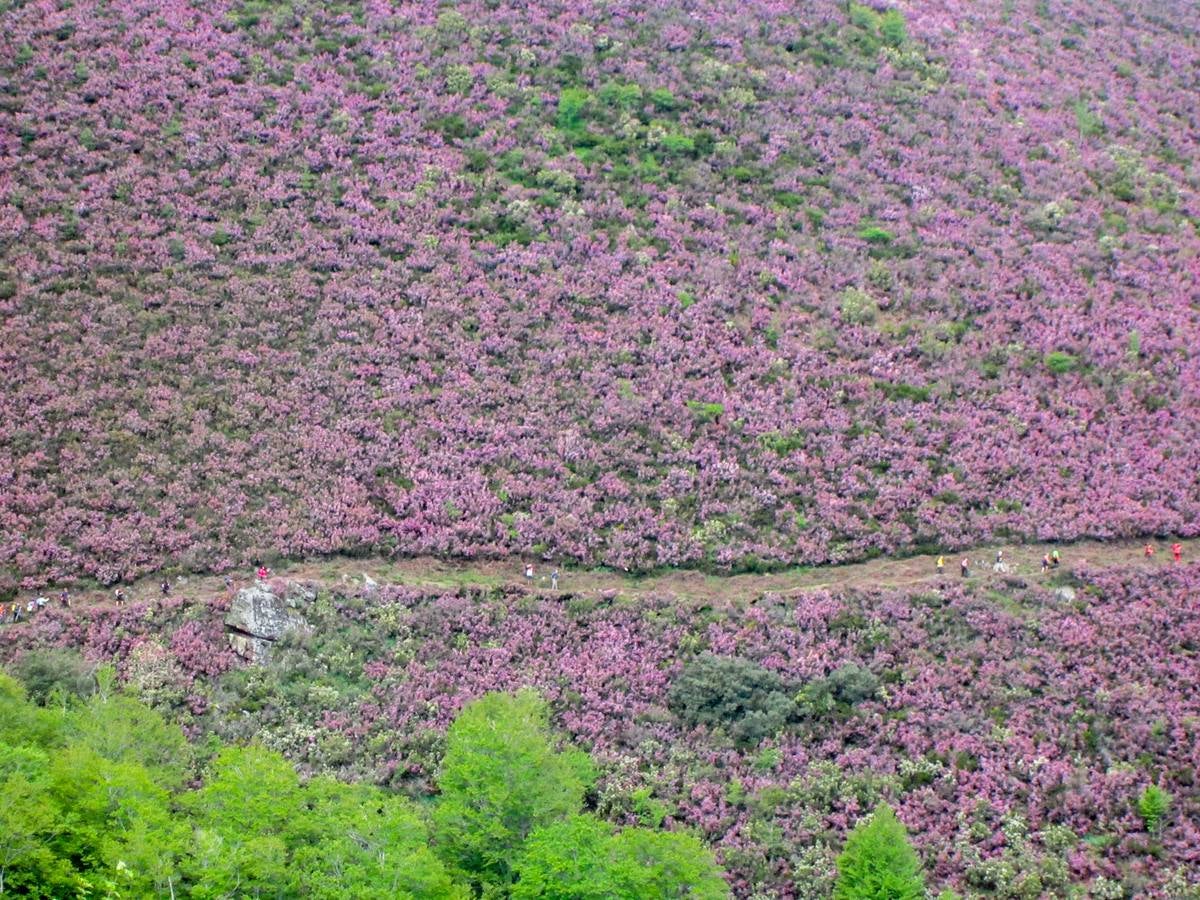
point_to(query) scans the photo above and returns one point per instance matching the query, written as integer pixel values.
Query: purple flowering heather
(630, 283)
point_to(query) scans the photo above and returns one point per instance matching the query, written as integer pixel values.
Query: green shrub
(878, 863)
(864, 17)
(1152, 806)
(902, 391)
(571, 105)
(783, 444)
(705, 412)
(893, 28)
(858, 307)
(839, 691)
(623, 95)
(1088, 123)
(1060, 363)
(459, 79)
(581, 857)
(454, 127)
(663, 100)
(1134, 349)
(678, 144)
(873, 234)
(45, 671)
(749, 702)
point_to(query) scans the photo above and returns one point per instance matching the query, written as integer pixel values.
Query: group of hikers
(529, 577)
(17, 611)
(1051, 560)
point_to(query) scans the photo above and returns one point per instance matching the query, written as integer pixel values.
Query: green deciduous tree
(246, 816)
(29, 821)
(666, 864)
(580, 858)
(368, 845)
(878, 863)
(501, 778)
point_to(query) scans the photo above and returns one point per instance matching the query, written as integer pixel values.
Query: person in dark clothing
(965, 566)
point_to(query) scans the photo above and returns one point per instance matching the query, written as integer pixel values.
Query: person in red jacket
(1177, 551)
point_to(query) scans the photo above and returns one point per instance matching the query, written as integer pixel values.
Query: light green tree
(878, 863)
(29, 821)
(366, 844)
(500, 779)
(567, 860)
(666, 864)
(246, 816)
(580, 858)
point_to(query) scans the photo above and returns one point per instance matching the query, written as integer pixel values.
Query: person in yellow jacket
(941, 564)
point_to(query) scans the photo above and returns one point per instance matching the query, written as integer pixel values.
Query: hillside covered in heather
(625, 282)
(1016, 726)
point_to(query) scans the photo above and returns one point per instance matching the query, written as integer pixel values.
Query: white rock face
(258, 617)
(1066, 594)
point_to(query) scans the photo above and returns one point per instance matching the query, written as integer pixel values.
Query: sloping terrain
(1014, 728)
(625, 283)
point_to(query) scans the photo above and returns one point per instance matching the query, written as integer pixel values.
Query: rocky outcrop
(263, 613)
(1065, 594)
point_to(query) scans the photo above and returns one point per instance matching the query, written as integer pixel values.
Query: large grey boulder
(259, 616)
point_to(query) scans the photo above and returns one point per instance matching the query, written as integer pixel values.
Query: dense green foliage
(96, 800)
(92, 803)
(1152, 805)
(878, 863)
(500, 779)
(580, 858)
(738, 695)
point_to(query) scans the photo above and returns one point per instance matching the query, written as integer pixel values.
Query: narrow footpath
(1020, 560)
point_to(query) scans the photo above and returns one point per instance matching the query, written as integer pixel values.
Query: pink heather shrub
(640, 284)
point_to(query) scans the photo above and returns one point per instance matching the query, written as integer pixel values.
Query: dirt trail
(1022, 560)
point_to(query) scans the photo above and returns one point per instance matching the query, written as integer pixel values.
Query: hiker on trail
(941, 564)
(119, 596)
(1177, 551)
(1055, 559)
(42, 602)
(64, 597)
(554, 580)
(1148, 550)
(263, 573)
(529, 573)
(166, 588)
(1045, 563)
(999, 557)
(229, 583)
(965, 566)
